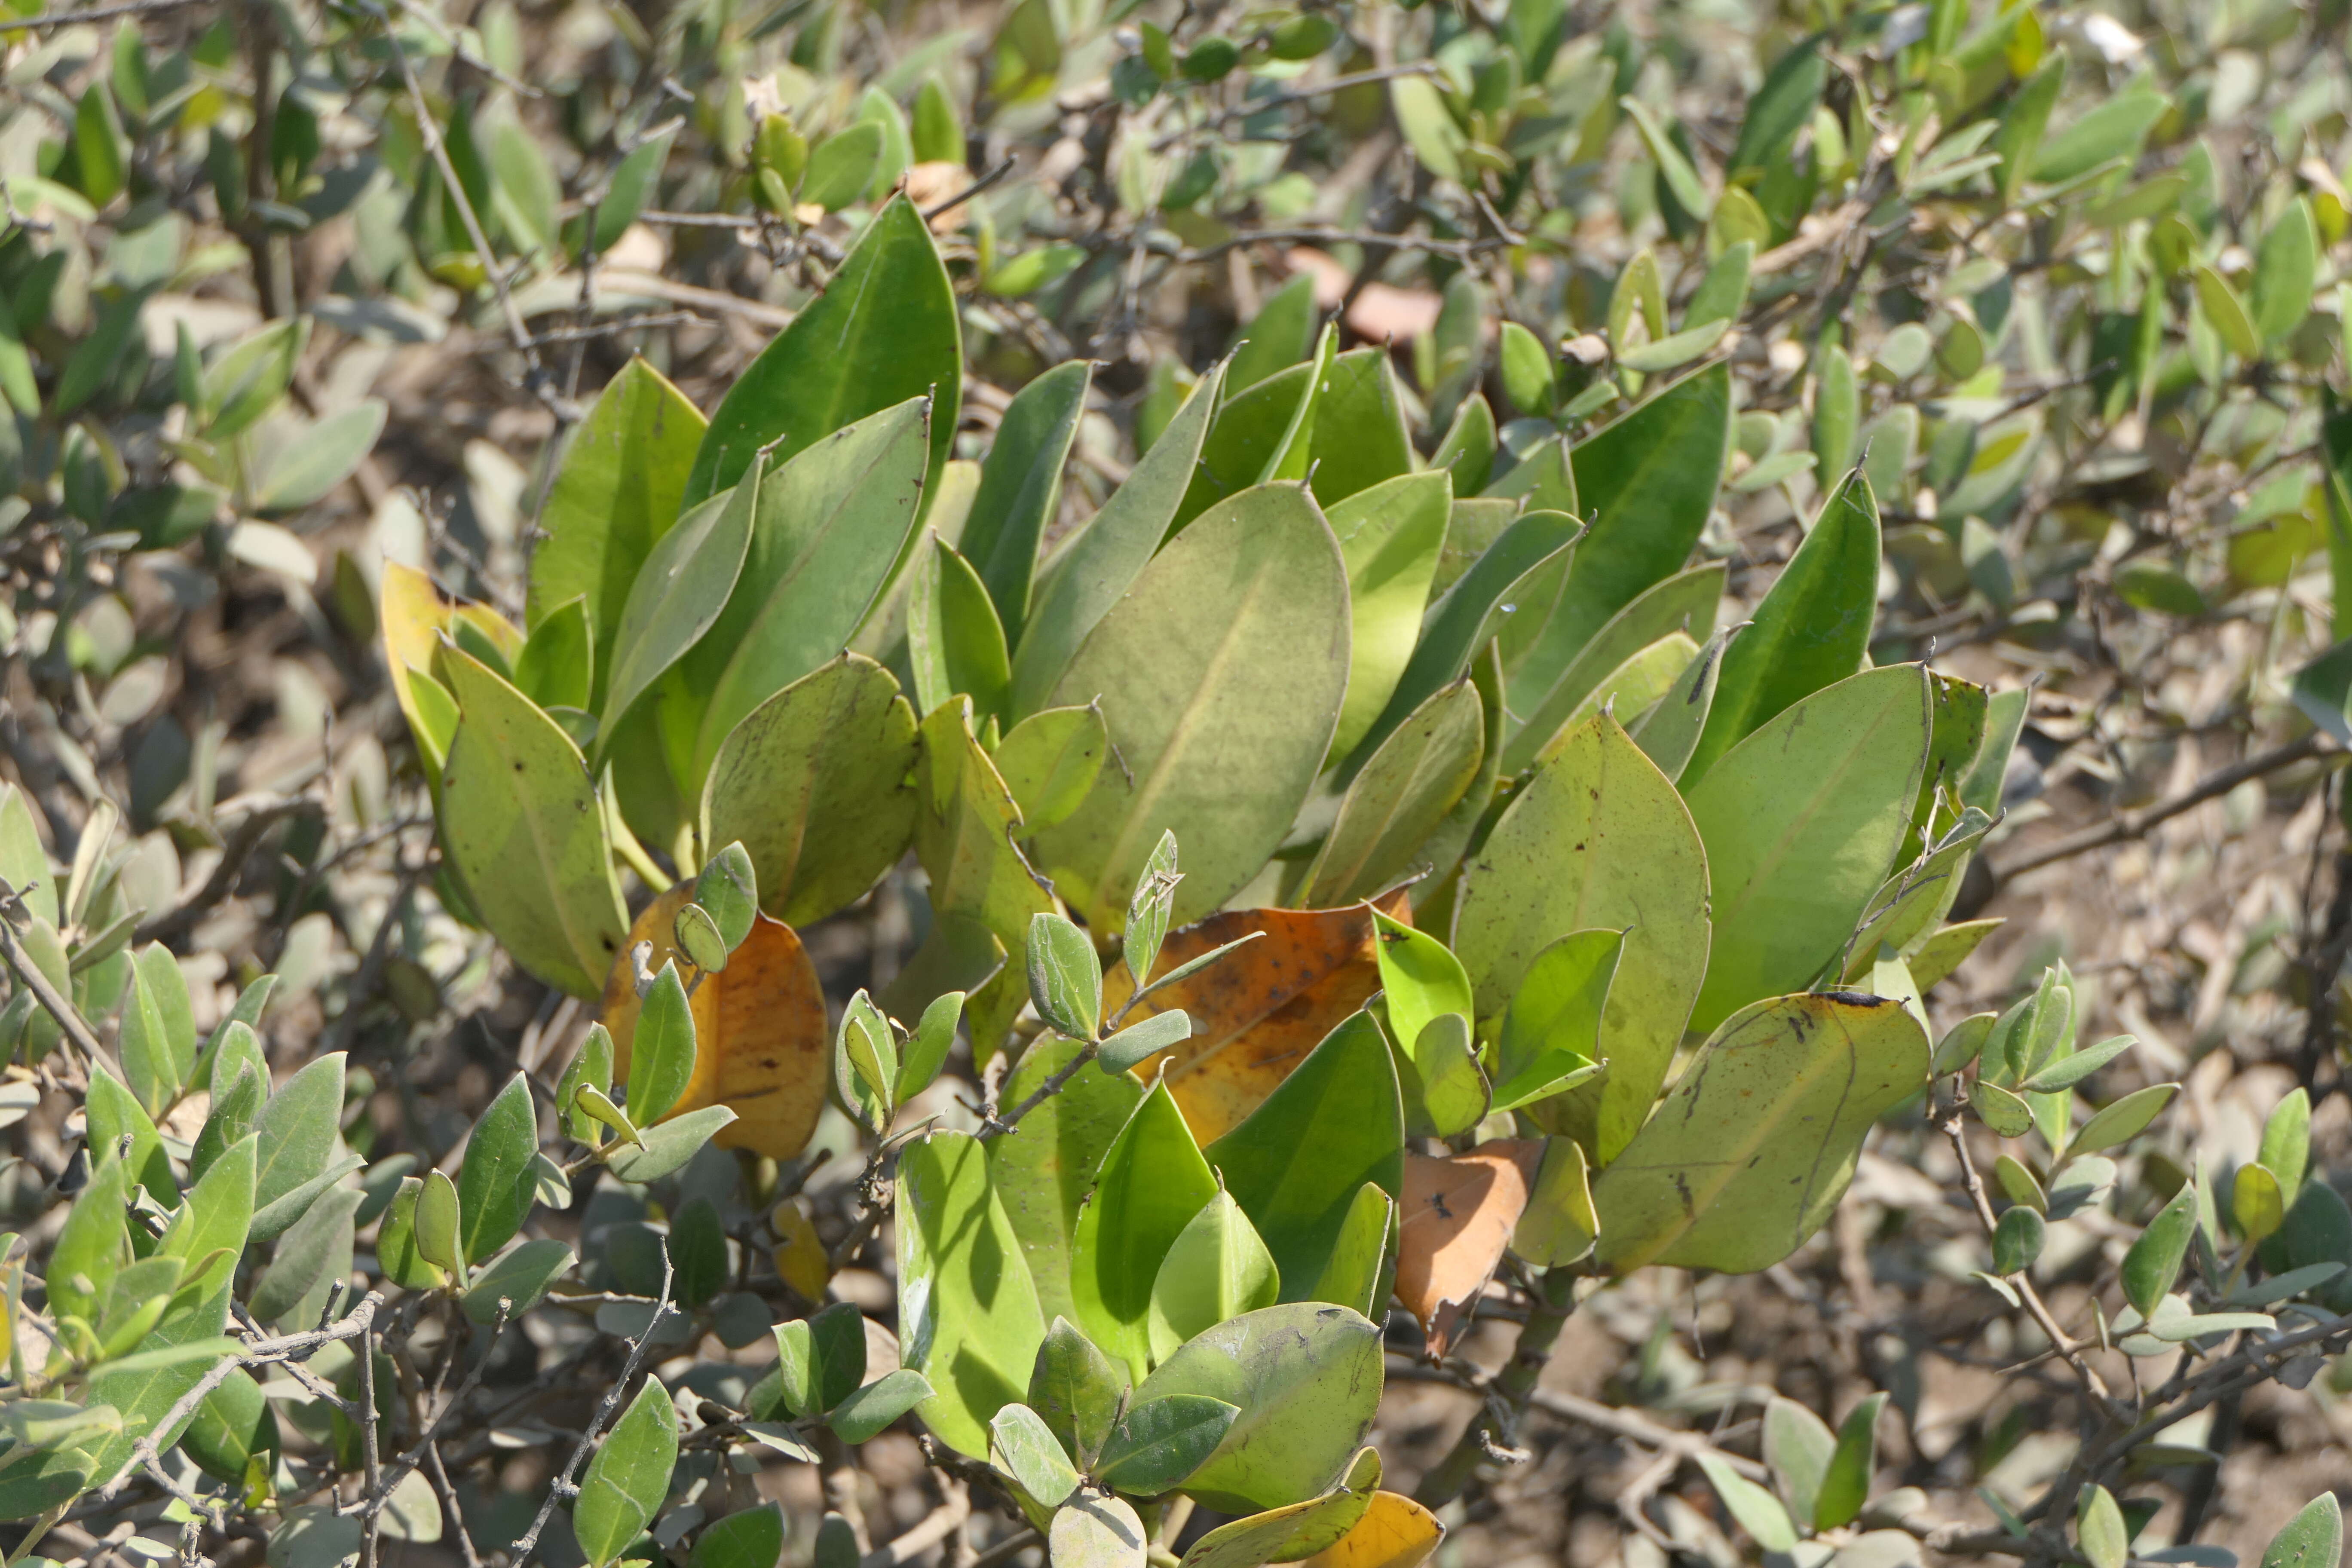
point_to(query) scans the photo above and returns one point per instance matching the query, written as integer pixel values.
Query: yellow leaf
(1395, 1532)
(760, 1043)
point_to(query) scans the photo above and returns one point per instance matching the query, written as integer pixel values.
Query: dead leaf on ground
(1395, 1532)
(760, 1042)
(1454, 1221)
(1256, 1014)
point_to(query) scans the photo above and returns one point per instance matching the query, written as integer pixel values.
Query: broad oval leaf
(967, 1317)
(1757, 1142)
(1401, 796)
(1043, 1175)
(1152, 1184)
(676, 596)
(1220, 675)
(1021, 488)
(520, 819)
(629, 1476)
(1597, 839)
(1390, 536)
(884, 330)
(813, 783)
(1801, 821)
(1307, 1379)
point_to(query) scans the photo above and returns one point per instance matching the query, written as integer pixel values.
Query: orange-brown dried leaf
(761, 1044)
(1256, 1014)
(1455, 1219)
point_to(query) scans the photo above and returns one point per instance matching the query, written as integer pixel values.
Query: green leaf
(968, 1317)
(843, 166)
(813, 782)
(872, 1407)
(749, 1538)
(965, 822)
(676, 597)
(1065, 977)
(697, 1253)
(520, 818)
(1467, 451)
(1296, 1162)
(1021, 489)
(1140, 1041)
(1846, 1485)
(101, 152)
(298, 1131)
(1674, 172)
(629, 1476)
(1050, 760)
(865, 1064)
(1302, 1529)
(1152, 1181)
(2124, 1120)
(1402, 794)
(2226, 313)
(1526, 370)
(1043, 1175)
(305, 470)
(727, 888)
(953, 639)
(1473, 611)
(1760, 1513)
(884, 330)
(1306, 1377)
(2068, 1071)
(1668, 734)
(2023, 119)
(661, 1058)
(215, 1220)
(831, 526)
(2286, 1143)
(1217, 1268)
(1684, 603)
(158, 1030)
(2115, 127)
(1160, 1443)
(1226, 659)
(2002, 1111)
(1390, 535)
(92, 1244)
(396, 1247)
(1261, 435)
(1810, 630)
(1096, 1532)
(1022, 1446)
(2312, 1539)
(2099, 1527)
(1597, 839)
(1801, 821)
(1105, 558)
(234, 1426)
(1758, 1140)
(616, 491)
(2017, 1240)
(1360, 438)
(495, 1184)
(1420, 978)
(926, 1051)
(558, 664)
(1079, 1392)
(315, 1246)
(1281, 334)
(2286, 268)
(1783, 106)
(112, 1116)
(1647, 481)
(437, 1224)
(2255, 1207)
(1356, 1274)
(1552, 1032)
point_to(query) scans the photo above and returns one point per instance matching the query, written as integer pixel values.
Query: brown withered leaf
(1455, 1219)
(760, 1043)
(1256, 1014)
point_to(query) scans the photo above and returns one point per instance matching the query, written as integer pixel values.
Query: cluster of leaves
(1557, 898)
